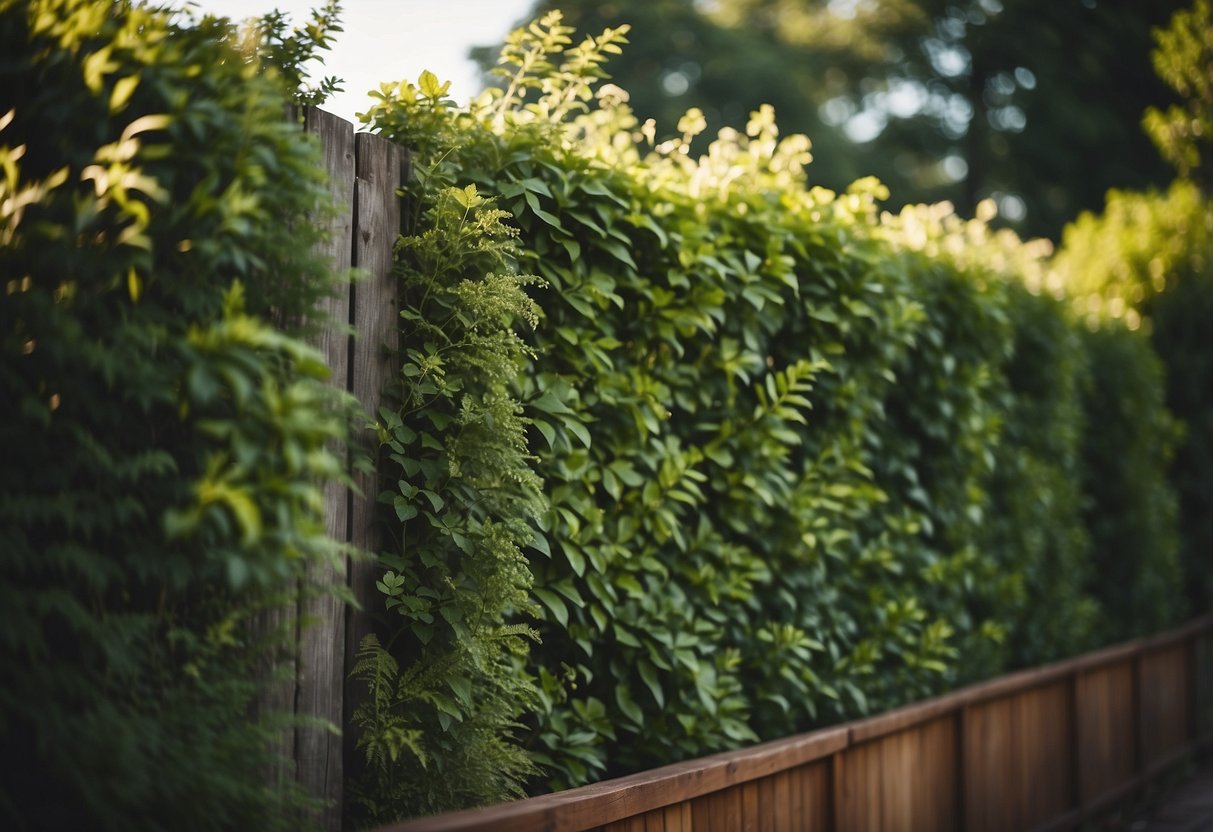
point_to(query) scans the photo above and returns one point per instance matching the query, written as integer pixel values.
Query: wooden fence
(1045, 748)
(1048, 748)
(364, 173)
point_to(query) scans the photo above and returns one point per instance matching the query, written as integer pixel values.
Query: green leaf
(430, 87)
(124, 88)
(623, 697)
(554, 603)
(649, 675)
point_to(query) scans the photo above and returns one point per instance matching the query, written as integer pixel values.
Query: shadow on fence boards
(1042, 749)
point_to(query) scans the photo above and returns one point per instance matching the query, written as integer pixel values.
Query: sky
(392, 40)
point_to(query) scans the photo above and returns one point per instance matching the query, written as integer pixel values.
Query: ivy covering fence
(688, 453)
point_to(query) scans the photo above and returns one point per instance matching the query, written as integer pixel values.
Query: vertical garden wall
(688, 453)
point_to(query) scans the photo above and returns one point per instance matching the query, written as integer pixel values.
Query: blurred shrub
(1037, 529)
(1147, 261)
(164, 446)
(1130, 503)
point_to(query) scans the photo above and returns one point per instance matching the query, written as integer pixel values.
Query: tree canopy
(1036, 103)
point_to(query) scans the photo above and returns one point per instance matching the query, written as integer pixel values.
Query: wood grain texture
(813, 784)
(1106, 729)
(902, 781)
(321, 669)
(861, 786)
(1017, 759)
(1165, 699)
(987, 761)
(374, 315)
(1042, 754)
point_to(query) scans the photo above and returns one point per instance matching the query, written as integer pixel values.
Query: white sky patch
(905, 98)
(955, 167)
(864, 126)
(1025, 78)
(393, 40)
(1012, 207)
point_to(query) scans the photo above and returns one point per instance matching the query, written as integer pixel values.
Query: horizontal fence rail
(1047, 748)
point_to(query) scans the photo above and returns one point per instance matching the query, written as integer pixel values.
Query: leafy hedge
(164, 445)
(800, 461)
(1147, 263)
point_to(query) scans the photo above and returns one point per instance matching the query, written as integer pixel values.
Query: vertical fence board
(814, 788)
(654, 821)
(322, 616)
(1043, 754)
(860, 803)
(374, 316)
(782, 796)
(938, 797)
(637, 823)
(749, 807)
(897, 777)
(987, 764)
(1106, 727)
(1165, 703)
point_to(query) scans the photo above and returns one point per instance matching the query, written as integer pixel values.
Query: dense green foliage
(164, 446)
(439, 734)
(1034, 103)
(800, 461)
(1131, 505)
(1147, 261)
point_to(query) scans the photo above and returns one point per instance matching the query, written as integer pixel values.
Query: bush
(1147, 262)
(165, 447)
(1037, 525)
(800, 461)
(1130, 503)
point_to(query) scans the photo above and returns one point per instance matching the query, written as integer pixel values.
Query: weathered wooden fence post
(319, 694)
(311, 682)
(374, 314)
(380, 167)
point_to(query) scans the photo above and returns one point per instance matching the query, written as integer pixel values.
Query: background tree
(1035, 103)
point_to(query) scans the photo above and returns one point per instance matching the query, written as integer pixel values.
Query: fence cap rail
(635, 794)
(917, 713)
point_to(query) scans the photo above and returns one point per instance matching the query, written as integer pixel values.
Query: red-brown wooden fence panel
(1046, 748)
